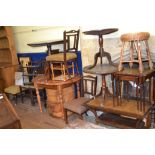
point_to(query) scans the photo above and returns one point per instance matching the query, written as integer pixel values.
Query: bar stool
(137, 43)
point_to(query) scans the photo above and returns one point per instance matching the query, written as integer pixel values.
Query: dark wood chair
(65, 61)
(29, 72)
(78, 105)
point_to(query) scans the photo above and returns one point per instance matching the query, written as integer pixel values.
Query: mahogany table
(101, 52)
(47, 43)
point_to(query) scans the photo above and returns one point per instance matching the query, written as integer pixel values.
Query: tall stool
(137, 43)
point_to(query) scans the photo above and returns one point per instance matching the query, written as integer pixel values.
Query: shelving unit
(8, 57)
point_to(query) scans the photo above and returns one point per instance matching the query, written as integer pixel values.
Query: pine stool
(137, 43)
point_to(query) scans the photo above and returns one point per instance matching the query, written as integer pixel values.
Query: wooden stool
(135, 41)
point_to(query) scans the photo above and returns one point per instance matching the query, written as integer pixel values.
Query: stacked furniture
(123, 110)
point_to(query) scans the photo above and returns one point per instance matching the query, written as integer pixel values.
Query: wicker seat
(64, 61)
(78, 105)
(137, 42)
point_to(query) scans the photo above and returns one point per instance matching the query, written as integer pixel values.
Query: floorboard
(32, 118)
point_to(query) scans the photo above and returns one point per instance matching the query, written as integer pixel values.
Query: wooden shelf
(4, 48)
(125, 116)
(120, 121)
(8, 57)
(3, 37)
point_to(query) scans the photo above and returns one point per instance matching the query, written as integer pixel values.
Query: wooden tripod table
(101, 52)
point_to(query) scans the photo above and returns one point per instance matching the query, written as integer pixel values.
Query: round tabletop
(101, 32)
(101, 69)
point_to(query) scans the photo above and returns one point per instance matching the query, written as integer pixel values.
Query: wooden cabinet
(8, 57)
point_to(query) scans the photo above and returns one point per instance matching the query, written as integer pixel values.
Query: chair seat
(60, 57)
(14, 89)
(77, 105)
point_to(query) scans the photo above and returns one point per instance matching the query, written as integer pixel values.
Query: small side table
(140, 80)
(103, 70)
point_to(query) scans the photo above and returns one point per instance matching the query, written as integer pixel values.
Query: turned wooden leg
(38, 97)
(131, 55)
(141, 69)
(148, 55)
(148, 120)
(120, 67)
(137, 93)
(103, 86)
(64, 72)
(73, 69)
(65, 116)
(52, 69)
(77, 68)
(112, 79)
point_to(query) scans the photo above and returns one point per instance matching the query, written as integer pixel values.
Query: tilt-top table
(47, 43)
(101, 52)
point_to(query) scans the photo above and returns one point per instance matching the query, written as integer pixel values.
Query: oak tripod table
(101, 52)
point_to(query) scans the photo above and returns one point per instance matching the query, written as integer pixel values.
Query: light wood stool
(137, 42)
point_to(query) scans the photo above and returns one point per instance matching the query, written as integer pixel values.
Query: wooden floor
(31, 118)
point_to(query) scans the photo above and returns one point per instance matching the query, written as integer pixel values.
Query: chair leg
(73, 69)
(65, 116)
(77, 68)
(16, 98)
(22, 98)
(52, 69)
(31, 97)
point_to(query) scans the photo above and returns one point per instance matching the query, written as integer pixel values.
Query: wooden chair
(64, 61)
(16, 90)
(77, 105)
(29, 72)
(137, 43)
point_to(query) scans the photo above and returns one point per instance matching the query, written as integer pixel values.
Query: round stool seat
(140, 36)
(138, 44)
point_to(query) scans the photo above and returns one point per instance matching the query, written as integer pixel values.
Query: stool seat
(137, 44)
(77, 105)
(135, 36)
